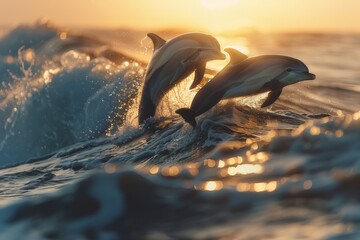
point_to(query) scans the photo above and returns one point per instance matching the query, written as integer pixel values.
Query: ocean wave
(72, 100)
(68, 121)
(174, 201)
(60, 87)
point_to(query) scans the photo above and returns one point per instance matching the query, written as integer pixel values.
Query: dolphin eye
(289, 70)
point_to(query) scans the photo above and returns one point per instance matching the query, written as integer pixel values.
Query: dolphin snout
(311, 76)
(216, 55)
(304, 75)
(222, 56)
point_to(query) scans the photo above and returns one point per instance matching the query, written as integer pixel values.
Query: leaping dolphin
(173, 61)
(245, 76)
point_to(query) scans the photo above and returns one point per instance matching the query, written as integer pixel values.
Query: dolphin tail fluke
(188, 115)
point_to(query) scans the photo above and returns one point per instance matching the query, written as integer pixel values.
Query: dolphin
(173, 61)
(245, 76)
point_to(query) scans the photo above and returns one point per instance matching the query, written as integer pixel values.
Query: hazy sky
(210, 15)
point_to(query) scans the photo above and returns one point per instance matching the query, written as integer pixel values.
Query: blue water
(75, 164)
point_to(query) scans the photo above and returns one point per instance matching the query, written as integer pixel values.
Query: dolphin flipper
(272, 97)
(188, 115)
(157, 41)
(199, 74)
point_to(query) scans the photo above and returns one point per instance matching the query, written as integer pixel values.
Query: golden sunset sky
(208, 15)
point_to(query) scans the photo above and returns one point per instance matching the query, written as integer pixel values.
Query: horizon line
(225, 32)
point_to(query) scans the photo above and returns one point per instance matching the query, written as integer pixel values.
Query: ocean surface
(74, 164)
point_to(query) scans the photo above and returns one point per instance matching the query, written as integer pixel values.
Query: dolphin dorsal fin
(157, 41)
(235, 55)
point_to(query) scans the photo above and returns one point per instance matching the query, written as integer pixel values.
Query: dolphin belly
(251, 86)
(147, 108)
(167, 77)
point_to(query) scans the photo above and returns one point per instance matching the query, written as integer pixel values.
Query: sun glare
(216, 16)
(218, 3)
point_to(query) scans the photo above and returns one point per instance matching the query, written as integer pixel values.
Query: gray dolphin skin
(173, 61)
(245, 76)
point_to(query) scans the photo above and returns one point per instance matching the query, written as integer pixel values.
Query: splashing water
(288, 171)
(67, 95)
